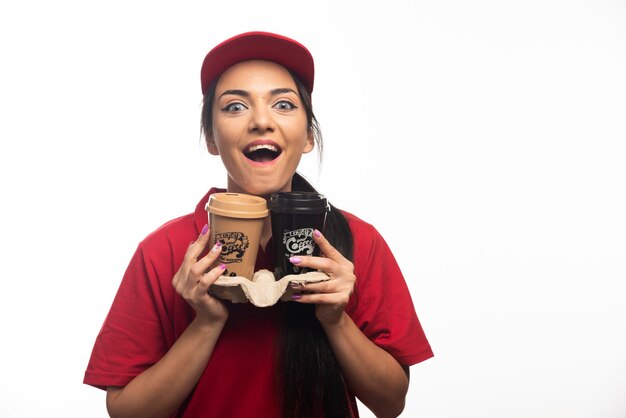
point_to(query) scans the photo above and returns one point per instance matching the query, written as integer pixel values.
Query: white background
(494, 130)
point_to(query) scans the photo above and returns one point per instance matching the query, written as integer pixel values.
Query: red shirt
(147, 316)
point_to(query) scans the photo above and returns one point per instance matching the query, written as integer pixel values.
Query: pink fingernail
(204, 229)
(317, 233)
(296, 297)
(223, 266)
(295, 260)
(218, 244)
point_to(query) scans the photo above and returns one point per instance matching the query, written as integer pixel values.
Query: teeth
(264, 146)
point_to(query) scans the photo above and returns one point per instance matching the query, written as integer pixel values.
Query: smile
(262, 152)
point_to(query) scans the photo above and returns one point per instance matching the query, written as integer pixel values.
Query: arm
(373, 375)
(162, 388)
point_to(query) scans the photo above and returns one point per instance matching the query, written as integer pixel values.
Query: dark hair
(310, 378)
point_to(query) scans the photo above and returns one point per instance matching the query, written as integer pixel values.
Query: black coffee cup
(295, 215)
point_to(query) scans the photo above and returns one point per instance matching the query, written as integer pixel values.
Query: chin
(259, 185)
(263, 190)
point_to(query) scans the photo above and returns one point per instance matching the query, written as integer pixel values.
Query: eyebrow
(245, 93)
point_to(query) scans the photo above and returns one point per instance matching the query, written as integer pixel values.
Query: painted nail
(294, 285)
(204, 229)
(317, 233)
(296, 297)
(295, 260)
(223, 266)
(218, 244)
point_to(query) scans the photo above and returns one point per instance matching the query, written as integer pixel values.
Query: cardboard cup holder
(263, 290)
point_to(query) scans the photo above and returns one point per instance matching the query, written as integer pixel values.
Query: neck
(267, 232)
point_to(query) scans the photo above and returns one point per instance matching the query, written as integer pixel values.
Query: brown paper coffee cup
(236, 220)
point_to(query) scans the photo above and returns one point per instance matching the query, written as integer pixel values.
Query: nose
(261, 119)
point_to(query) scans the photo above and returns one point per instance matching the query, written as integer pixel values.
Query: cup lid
(298, 202)
(237, 205)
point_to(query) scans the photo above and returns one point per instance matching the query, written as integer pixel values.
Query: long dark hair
(311, 382)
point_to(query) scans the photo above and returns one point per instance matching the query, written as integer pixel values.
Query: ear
(210, 145)
(310, 143)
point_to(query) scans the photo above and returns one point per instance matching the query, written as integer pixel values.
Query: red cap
(258, 46)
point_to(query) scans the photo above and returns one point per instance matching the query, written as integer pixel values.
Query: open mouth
(262, 153)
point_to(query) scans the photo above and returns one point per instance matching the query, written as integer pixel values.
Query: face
(259, 127)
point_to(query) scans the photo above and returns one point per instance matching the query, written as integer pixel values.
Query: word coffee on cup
(295, 215)
(236, 220)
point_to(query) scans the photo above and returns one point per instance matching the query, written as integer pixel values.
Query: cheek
(298, 131)
(223, 134)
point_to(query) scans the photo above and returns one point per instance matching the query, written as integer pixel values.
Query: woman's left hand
(332, 296)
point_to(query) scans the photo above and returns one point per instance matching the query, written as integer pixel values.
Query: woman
(169, 348)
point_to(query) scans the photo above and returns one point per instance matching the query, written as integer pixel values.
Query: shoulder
(172, 228)
(170, 237)
(160, 253)
(176, 234)
(370, 248)
(365, 235)
(358, 226)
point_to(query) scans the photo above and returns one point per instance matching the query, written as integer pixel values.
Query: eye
(234, 107)
(285, 105)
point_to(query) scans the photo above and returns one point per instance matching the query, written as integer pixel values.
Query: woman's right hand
(193, 279)
(159, 390)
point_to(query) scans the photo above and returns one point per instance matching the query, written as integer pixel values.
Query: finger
(197, 247)
(326, 248)
(330, 287)
(180, 278)
(319, 298)
(179, 282)
(209, 278)
(189, 247)
(205, 262)
(317, 263)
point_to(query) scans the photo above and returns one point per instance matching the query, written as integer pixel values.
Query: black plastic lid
(298, 202)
